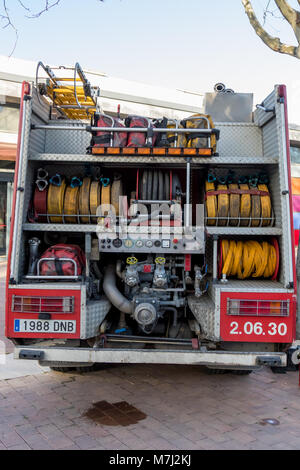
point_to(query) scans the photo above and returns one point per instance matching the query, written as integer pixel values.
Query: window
(9, 118)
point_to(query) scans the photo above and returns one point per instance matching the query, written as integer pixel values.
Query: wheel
(240, 372)
(229, 371)
(215, 371)
(88, 368)
(63, 369)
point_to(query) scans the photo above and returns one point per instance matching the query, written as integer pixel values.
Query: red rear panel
(257, 317)
(43, 313)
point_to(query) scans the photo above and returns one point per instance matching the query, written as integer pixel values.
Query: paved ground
(185, 408)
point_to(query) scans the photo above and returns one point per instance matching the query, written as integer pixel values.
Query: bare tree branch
(292, 16)
(9, 23)
(23, 6)
(47, 7)
(272, 42)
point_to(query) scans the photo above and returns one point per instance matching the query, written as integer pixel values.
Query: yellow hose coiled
(71, 204)
(84, 200)
(248, 259)
(223, 205)
(245, 206)
(266, 207)
(94, 199)
(116, 193)
(255, 210)
(234, 205)
(55, 201)
(211, 203)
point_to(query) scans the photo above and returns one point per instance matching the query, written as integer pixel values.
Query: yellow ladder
(73, 96)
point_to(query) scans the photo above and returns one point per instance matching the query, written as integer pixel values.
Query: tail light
(258, 308)
(25, 304)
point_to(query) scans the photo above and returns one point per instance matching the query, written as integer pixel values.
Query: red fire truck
(140, 240)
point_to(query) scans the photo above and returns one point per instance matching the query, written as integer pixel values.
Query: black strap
(101, 139)
(197, 135)
(58, 267)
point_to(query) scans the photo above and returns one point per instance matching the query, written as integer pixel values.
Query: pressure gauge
(139, 243)
(128, 243)
(149, 243)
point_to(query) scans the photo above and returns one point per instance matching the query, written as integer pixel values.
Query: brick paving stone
(20, 447)
(11, 438)
(40, 444)
(59, 442)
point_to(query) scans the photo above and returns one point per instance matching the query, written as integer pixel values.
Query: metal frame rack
(266, 155)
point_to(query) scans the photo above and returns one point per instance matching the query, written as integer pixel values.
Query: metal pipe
(154, 201)
(112, 293)
(119, 272)
(188, 190)
(174, 310)
(215, 258)
(118, 129)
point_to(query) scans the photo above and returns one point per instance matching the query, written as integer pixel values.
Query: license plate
(259, 330)
(44, 326)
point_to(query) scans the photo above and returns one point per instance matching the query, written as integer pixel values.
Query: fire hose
(55, 199)
(250, 258)
(229, 202)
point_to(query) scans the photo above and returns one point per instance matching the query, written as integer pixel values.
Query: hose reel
(243, 203)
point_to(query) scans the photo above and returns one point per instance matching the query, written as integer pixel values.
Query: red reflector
(258, 307)
(24, 304)
(147, 268)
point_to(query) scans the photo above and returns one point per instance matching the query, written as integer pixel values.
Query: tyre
(240, 372)
(215, 371)
(80, 368)
(229, 371)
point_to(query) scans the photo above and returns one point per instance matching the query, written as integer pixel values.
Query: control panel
(155, 244)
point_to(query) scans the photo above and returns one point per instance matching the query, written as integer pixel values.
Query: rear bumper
(223, 359)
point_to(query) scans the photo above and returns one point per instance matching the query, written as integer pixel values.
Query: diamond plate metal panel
(204, 311)
(286, 270)
(37, 138)
(240, 140)
(40, 107)
(18, 241)
(221, 160)
(238, 231)
(96, 312)
(260, 116)
(68, 142)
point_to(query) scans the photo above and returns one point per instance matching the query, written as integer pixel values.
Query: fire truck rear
(140, 240)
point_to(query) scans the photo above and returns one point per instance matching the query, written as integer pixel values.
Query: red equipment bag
(136, 139)
(103, 138)
(120, 138)
(59, 267)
